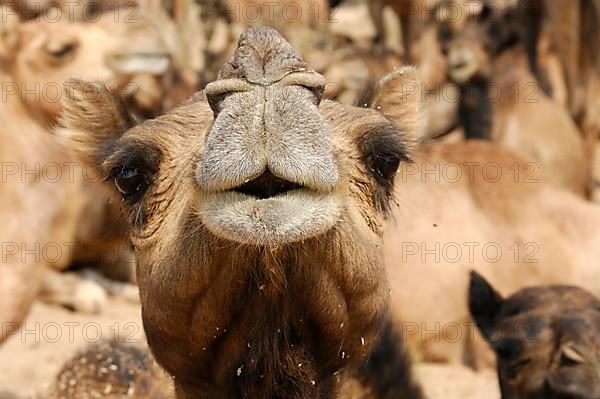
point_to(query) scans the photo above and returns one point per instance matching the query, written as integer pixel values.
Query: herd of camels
(283, 242)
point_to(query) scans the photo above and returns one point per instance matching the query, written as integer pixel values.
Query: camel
(266, 221)
(476, 205)
(545, 339)
(499, 94)
(33, 198)
(420, 45)
(571, 29)
(560, 39)
(55, 212)
(145, 58)
(38, 236)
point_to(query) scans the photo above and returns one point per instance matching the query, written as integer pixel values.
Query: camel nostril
(266, 186)
(311, 81)
(217, 91)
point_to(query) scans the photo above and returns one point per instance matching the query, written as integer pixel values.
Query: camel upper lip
(267, 185)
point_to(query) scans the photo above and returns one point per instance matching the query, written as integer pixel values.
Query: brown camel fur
(116, 370)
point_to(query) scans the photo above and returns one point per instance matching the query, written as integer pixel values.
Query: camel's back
(473, 205)
(28, 199)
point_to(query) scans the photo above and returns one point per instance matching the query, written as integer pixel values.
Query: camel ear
(9, 31)
(484, 304)
(399, 97)
(91, 119)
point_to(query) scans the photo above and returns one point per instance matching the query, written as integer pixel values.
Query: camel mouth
(266, 186)
(462, 73)
(462, 66)
(269, 211)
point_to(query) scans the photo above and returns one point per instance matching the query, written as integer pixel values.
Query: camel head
(39, 55)
(472, 33)
(261, 206)
(546, 339)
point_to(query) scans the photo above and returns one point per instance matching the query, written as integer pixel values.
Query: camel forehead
(559, 308)
(263, 56)
(550, 299)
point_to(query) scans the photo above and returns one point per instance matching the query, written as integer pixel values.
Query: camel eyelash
(134, 155)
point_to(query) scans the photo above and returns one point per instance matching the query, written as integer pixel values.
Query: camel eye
(486, 13)
(60, 51)
(383, 150)
(130, 183)
(444, 33)
(386, 166)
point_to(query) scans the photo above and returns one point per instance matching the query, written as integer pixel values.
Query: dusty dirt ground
(51, 335)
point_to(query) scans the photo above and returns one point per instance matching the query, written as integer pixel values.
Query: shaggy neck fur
(265, 322)
(475, 109)
(482, 98)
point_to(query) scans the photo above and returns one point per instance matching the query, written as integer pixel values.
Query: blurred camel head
(473, 33)
(131, 50)
(546, 339)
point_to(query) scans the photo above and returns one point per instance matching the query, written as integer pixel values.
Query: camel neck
(300, 314)
(509, 80)
(475, 109)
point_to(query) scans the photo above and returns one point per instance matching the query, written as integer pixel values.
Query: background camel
(146, 67)
(420, 46)
(555, 40)
(499, 95)
(303, 214)
(473, 205)
(545, 339)
(82, 221)
(559, 39)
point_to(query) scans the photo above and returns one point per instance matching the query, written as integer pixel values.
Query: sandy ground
(30, 359)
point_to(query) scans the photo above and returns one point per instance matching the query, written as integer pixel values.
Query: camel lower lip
(462, 74)
(288, 217)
